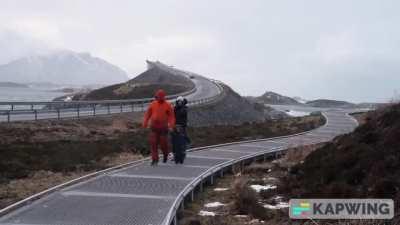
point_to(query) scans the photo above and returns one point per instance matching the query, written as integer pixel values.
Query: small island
(13, 85)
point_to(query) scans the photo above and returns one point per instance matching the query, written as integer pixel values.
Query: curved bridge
(138, 194)
(204, 91)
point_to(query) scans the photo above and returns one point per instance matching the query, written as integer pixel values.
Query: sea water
(9, 94)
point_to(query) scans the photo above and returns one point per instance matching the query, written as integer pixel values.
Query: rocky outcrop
(144, 85)
(273, 98)
(232, 109)
(326, 103)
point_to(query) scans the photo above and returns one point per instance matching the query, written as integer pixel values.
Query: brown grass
(38, 181)
(247, 200)
(70, 147)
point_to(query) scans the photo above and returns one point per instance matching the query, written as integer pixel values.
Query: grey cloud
(306, 48)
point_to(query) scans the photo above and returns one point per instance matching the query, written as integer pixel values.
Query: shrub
(247, 201)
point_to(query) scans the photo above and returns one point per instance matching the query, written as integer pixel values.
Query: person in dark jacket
(180, 139)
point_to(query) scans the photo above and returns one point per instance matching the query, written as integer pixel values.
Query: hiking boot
(154, 163)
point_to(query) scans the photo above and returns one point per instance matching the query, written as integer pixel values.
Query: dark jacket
(181, 114)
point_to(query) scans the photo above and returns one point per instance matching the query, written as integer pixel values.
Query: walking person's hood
(160, 95)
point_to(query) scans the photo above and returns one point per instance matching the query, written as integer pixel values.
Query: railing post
(142, 106)
(31, 107)
(12, 107)
(35, 114)
(8, 116)
(94, 109)
(78, 110)
(183, 204)
(120, 105)
(108, 108)
(58, 113)
(132, 105)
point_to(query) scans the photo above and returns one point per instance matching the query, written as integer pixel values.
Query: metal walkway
(144, 195)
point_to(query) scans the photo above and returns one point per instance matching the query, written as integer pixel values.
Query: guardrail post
(108, 108)
(78, 111)
(175, 222)
(120, 105)
(94, 109)
(142, 106)
(12, 107)
(212, 180)
(31, 107)
(201, 186)
(8, 116)
(221, 173)
(192, 195)
(132, 106)
(183, 204)
(58, 113)
(35, 114)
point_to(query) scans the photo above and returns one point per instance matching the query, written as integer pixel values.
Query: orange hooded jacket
(160, 113)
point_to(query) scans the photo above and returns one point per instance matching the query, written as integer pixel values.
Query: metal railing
(78, 109)
(171, 218)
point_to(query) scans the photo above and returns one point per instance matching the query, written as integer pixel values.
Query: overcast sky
(347, 50)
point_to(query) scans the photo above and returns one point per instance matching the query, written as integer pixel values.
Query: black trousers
(179, 144)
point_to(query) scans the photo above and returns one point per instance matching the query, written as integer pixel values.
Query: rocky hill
(232, 109)
(273, 98)
(142, 86)
(362, 164)
(62, 67)
(326, 103)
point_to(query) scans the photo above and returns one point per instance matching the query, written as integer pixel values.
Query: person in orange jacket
(161, 116)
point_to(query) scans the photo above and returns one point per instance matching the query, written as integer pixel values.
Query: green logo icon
(301, 209)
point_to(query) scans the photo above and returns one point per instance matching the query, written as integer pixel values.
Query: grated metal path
(144, 195)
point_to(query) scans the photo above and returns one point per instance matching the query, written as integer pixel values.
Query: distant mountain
(62, 67)
(273, 98)
(13, 85)
(330, 103)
